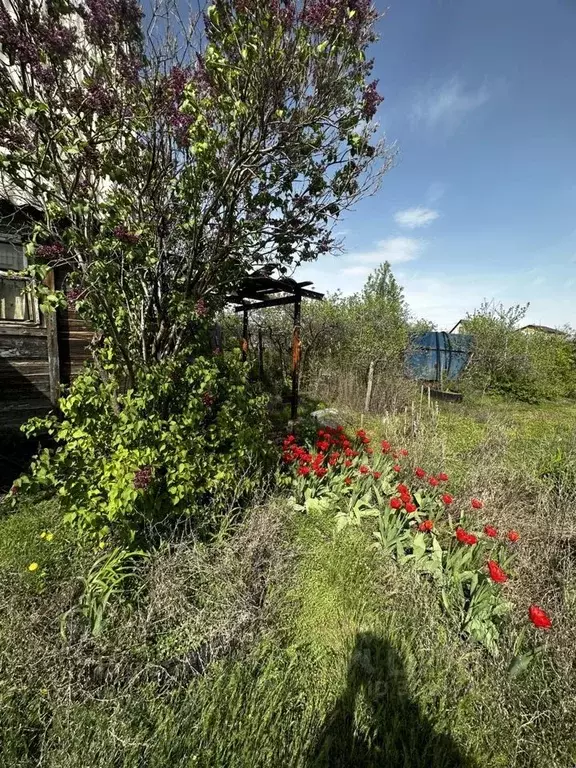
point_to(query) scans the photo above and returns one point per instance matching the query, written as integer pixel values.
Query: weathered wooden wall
(24, 373)
(35, 359)
(72, 334)
(73, 340)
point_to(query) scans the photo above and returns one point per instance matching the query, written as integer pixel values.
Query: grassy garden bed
(291, 643)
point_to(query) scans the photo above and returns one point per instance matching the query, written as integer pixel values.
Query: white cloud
(356, 271)
(412, 218)
(396, 250)
(435, 191)
(444, 297)
(445, 106)
(348, 273)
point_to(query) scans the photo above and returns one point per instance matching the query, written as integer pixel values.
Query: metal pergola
(259, 291)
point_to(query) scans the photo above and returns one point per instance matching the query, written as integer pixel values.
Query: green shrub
(186, 443)
(526, 367)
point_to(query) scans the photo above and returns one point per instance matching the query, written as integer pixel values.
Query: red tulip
(419, 472)
(477, 504)
(539, 618)
(513, 535)
(490, 531)
(410, 507)
(447, 499)
(465, 538)
(396, 503)
(496, 573)
(427, 525)
(443, 477)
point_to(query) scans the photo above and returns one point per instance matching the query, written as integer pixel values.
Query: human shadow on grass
(393, 732)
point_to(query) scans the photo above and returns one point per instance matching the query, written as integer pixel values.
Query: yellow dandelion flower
(43, 535)
(33, 567)
(49, 536)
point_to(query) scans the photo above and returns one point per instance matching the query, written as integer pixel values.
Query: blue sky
(480, 98)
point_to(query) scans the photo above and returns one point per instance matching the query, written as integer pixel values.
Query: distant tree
(528, 367)
(381, 285)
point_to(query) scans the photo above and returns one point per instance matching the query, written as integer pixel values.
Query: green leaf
(521, 663)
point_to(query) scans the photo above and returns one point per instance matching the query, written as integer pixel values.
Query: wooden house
(531, 329)
(38, 353)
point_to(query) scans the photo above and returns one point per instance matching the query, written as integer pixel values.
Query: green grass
(324, 653)
(360, 669)
(531, 431)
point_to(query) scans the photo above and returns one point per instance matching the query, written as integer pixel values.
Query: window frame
(35, 320)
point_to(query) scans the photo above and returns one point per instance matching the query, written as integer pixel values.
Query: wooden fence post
(52, 344)
(369, 386)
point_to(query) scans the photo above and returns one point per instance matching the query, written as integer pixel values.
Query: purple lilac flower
(200, 75)
(208, 399)
(14, 139)
(181, 123)
(125, 236)
(129, 66)
(15, 39)
(74, 295)
(50, 252)
(142, 478)
(104, 17)
(370, 101)
(58, 41)
(321, 15)
(177, 79)
(201, 308)
(100, 99)
(44, 74)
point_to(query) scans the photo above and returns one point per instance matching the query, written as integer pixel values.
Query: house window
(11, 255)
(15, 304)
